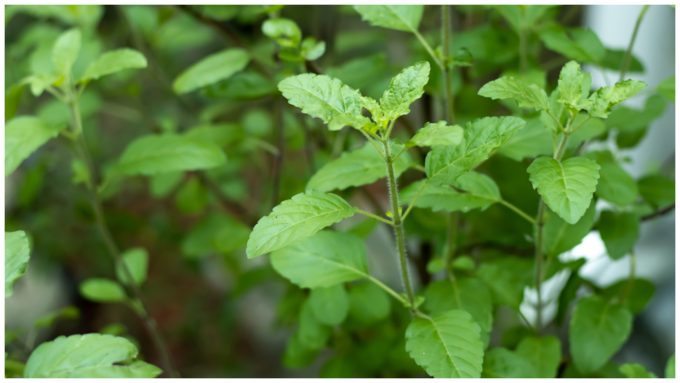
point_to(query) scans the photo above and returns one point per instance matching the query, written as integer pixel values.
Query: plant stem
(398, 229)
(149, 322)
(403, 217)
(627, 57)
(451, 235)
(389, 290)
(375, 217)
(428, 48)
(446, 37)
(518, 211)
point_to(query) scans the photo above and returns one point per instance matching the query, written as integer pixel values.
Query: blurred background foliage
(224, 316)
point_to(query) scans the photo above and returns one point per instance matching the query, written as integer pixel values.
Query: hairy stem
(446, 37)
(629, 52)
(387, 289)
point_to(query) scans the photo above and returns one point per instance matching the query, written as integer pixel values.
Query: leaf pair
(288, 35)
(108, 291)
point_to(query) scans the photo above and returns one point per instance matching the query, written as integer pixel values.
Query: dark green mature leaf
(544, 354)
(658, 190)
(296, 219)
(566, 187)
(405, 88)
(368, 303)
(636, 371)
(88, 356)
(503, 363)
(638, 294)
(137, 261)
(469, 294)
(330, 305)
(606, 97)
(286, 32)
(112, 62)
(560, 236)
(399, 17)
(324, 97)
(17, 251)
(446, 346)
(598, 328)
(358, 167)
(670, 367)
(247, 85)
(438, 134)
(613, 59)
(619, 231)
(667, 88)
(297, 354)
(587, 129)
(102, 290)
(154, 154)
(529, 142)
(616, 185)
(23, 136)
(578, 44)
(522, 17)
(507, 277)
(322, 260)
(444, 164)
(216, 67)
(219, 134)
(570, 87)
(12, 100)
(628, 120)
(215, 233)
(530, 96)
(65, 51)
(480, 192)
(312, 333)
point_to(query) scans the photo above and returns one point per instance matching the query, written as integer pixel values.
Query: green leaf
(17, 251)
(560, 236)
(192, 197)
(65, 51)
(530, 96)
(469, 294)
(405, 88)
(503, 363)
(324, 97)
(216, 67)
(330, 305)
(322, 260)
(81, 174)
(589, 128)
(137, 261)
(311, 49)
(670, 367)
(638, 294)
(296, 219)
(112, 62)
(219, 134)
(636, 371)
(359, 167)
(23, 136)
(667, 88)
(102, 290)
(578, 44)
(47, 320)
(606, 97)
(286, 32)
(597, 330)
(507, 277)
(544, 353)
(628, 120)
(438, 134)
(566, 187)
(619, 232)
(12, 100)
(400, 17)
(154, 154)
(297, 355)
(480, 191)
(613, 60)
(88, 356)
(658, 190)
(570, 87)
(312, 333)
(446, 346)
(444, 164)
(368, 303)
(529, 142)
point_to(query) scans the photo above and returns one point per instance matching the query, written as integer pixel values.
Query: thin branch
(375, 217)
(413, 202)
(518, 211)
(658, 213)
(629, 52)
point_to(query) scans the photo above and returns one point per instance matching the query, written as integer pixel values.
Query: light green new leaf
(112, 62)
(570, 87)
(322, 260)
(405, 88)
(578, 44)
(446, 346)
(529, 142)
(400, 17)
(216, 67)
(670, 367)
(658, 190)
(438, 134)
(469, 294)
(619, 232)
(616, 185)
(312, 333)
(88, 356)
(296, 219)
(137, 261)
(544, 354)
(636, 371)
(324, 97)
(503, 363)
(368, 303)
(102, 290)
(560, 236)
(667, 88)
(444, 164)
(286, 32)
(507, 277)
(566, 187)
(65, 51)
(311, 49)
(480, 192)
(17, 251)
(23, 136)
(606, 97)
(359, 167)
(154, 154)
(530, 96)
(330, 305)
(597, 330)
